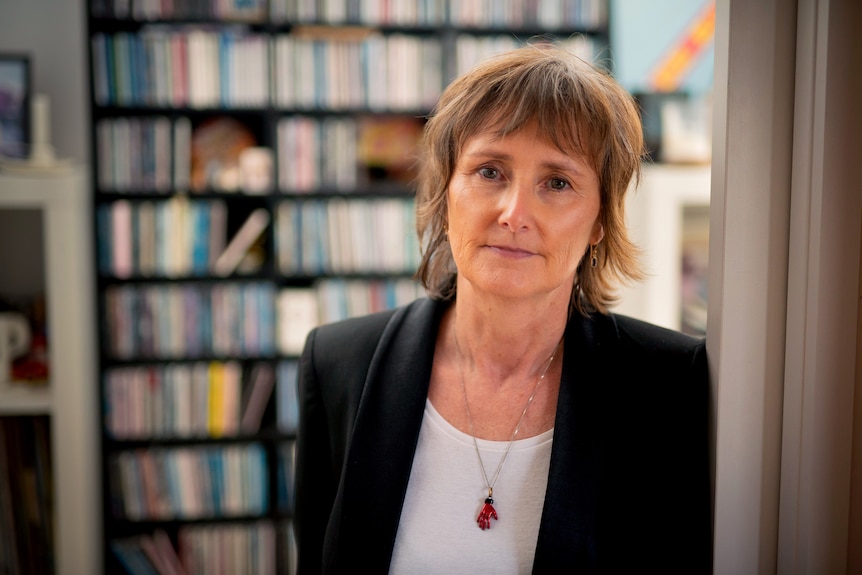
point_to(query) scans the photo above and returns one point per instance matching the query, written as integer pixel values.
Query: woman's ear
(598, 233)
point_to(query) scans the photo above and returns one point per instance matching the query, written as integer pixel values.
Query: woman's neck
(505, 339)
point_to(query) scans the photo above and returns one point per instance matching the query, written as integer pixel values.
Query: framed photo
(15, 82)
(668, 217)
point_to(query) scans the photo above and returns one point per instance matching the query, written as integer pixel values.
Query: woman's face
(521, 214)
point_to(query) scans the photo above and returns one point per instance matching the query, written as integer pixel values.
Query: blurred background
(187, 187)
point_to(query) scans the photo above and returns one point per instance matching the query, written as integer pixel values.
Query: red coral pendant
(488, 512)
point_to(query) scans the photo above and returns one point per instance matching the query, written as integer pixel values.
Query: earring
(594, 255)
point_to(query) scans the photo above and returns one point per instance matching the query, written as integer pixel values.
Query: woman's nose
(516, 206)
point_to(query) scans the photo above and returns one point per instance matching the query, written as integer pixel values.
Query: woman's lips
(510, 251)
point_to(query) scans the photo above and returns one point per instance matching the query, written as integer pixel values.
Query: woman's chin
(508, 287)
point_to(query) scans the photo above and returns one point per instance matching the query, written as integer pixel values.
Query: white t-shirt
(438, 532)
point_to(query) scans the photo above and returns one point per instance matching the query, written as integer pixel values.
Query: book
(216, 398)
(231, 393)
(101, 74)
(287, 416)
(148, 546)
(256, 493)
(165, 549)
(121, 239)
(297, 315)
(132, 557)
(217, 239)
(260, 389)
(179, 69)
(162, 143)
(156, 502)
(200, 399)
(130, 485)
(285, 475)
(146, 216)
(182, 152)
(248, 233)
(215, 468)
(8, 543)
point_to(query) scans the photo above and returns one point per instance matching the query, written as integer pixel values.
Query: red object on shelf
(34, 365)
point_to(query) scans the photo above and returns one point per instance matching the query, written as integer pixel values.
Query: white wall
(53, 33)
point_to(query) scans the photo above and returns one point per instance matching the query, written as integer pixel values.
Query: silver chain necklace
(488, 512)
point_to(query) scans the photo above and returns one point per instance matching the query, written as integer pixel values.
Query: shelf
(264, 435)
(60, 246)
(18, 398)
(657, 216)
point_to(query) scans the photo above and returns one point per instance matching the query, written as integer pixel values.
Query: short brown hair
(581, 109)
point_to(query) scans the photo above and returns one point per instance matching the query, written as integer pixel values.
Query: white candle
(40, 119)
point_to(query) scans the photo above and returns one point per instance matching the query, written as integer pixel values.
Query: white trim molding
(749, 223)
(823, 293)
(784, 310)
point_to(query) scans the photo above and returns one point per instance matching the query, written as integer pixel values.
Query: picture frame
(15, 93)
(668, 218)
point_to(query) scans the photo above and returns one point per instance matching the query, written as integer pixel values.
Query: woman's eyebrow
(488, 151)
(565, 166)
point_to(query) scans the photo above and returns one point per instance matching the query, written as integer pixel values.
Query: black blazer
(628, 487)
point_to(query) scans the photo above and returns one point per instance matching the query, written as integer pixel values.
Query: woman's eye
(489, 173)
(557, 184)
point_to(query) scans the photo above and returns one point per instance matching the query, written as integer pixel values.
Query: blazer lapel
(567, 533)
(384, 439)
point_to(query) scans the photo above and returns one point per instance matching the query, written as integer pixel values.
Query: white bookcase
(60, 203)
(655, 213)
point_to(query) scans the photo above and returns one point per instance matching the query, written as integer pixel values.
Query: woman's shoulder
(370, 327)
(345, 348)
(651, 335)
(357, 326)
(631, 351)
(633, 341)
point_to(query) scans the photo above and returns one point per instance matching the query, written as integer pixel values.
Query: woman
(509, 423)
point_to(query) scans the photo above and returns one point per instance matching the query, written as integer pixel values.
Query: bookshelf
(251, 178)
(47, 256)
(669, 215)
